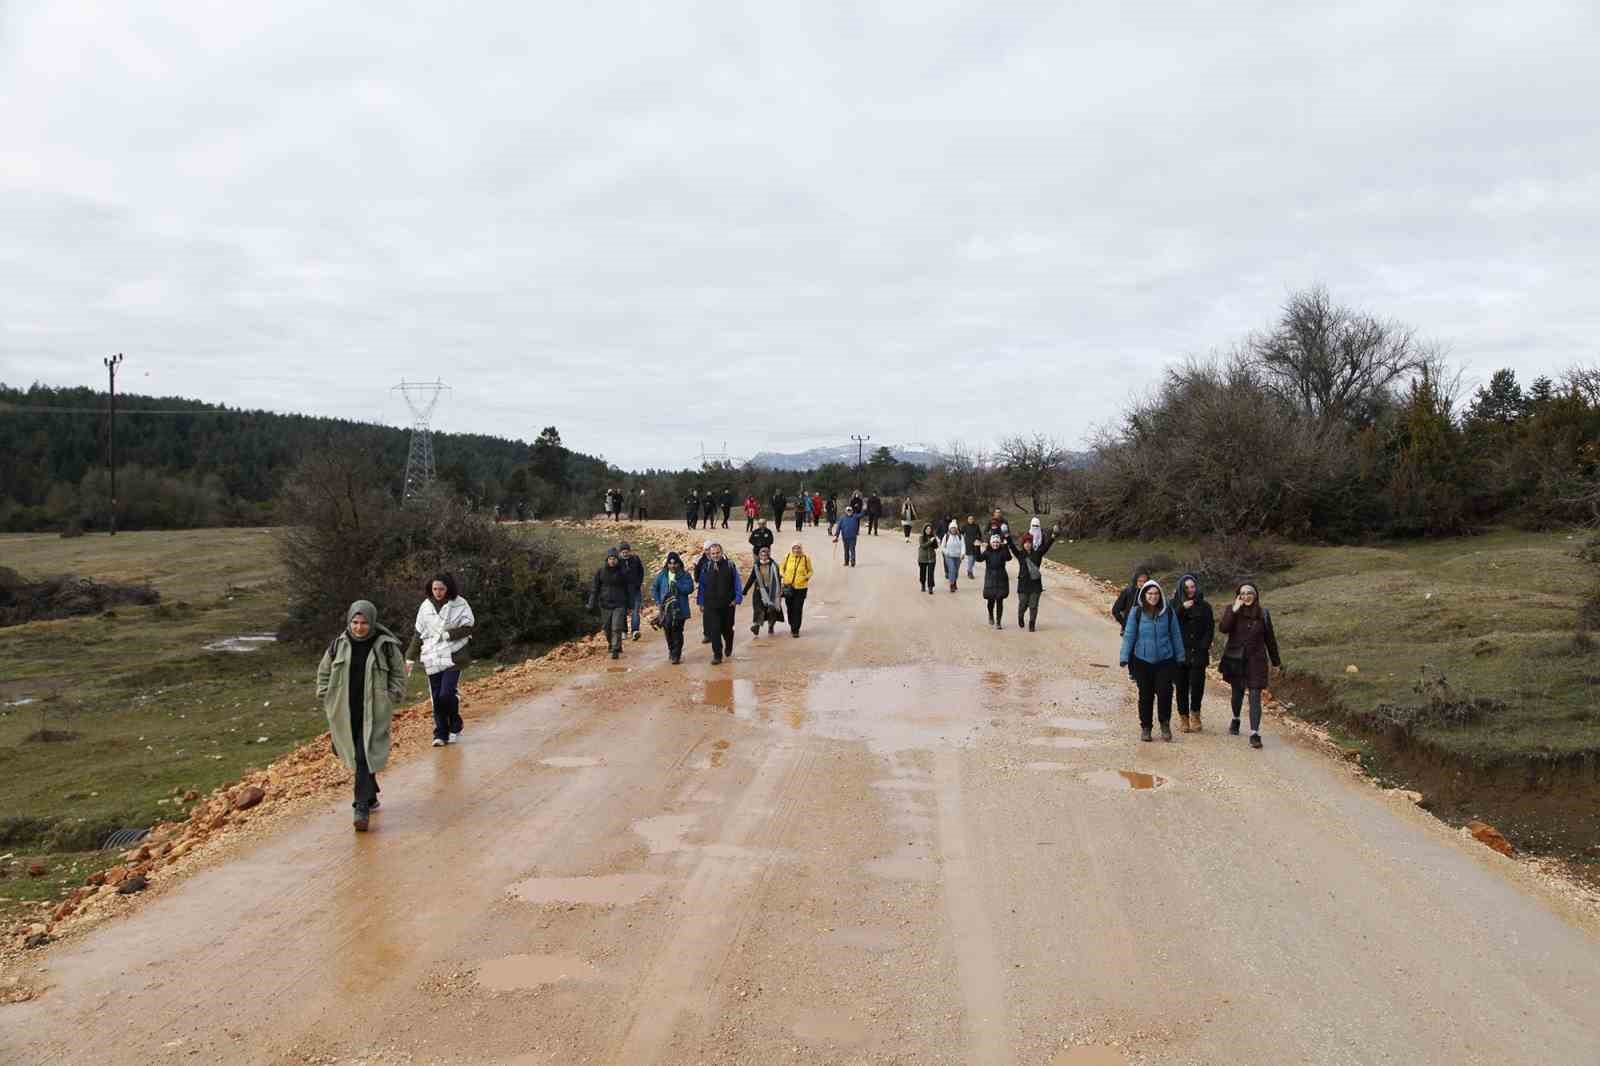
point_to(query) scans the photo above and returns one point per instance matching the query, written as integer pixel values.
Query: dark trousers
(1028, 604)
(749, 523)
(872, 524)
(446, 704)
(615, 621)
(799, 520)
(795, 602)
(849, 551)
(691, 518)
(996, 606)
(1155, 690)
(1191, 684)
(719, 627)
(777, 519)
(674, 634)
(1255, 705)
(366, 782)
(644, 513)
(925, 576)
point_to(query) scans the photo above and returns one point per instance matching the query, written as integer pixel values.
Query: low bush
(64, 596)
(1223, 562)
(1439, 705)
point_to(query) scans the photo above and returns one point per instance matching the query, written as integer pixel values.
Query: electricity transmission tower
(860, 439)
(421, 397)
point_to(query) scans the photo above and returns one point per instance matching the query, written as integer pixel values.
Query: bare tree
(1031, 466)
(1332, 362)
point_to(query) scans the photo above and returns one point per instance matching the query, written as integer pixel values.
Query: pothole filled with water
(1124, 780)
(735, 695)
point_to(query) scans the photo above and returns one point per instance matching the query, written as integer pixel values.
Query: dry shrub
(1223, 562)
(64, 596)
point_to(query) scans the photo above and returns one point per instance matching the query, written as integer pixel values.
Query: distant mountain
(918, 454)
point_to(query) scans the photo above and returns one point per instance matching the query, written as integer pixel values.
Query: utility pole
(860, 440)
(112, 363)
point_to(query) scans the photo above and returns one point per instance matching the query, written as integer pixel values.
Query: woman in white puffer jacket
(442, 632)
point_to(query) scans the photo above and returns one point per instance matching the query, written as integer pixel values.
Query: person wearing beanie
(953, 547)
(609, 595)
(635, 568)
(360, 679)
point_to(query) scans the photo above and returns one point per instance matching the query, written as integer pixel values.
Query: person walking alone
(953, 547)
(1030, 571)
(440, 634)
(1152, 648)
(996, 578)
(719, 596)
(672, 589)
(972, 533)
(908, 515)
(874, 512)
(767, 582)
(691, 505)
(779, 503)
(832, 511)
(927, 558)
(609, 595)
(728, 499)
(795, 574)
(635, 568)
(1199, 628)
(361, 677)
(1252, 645)
(849, 529)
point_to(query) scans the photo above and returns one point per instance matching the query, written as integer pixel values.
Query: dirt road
(903, 838)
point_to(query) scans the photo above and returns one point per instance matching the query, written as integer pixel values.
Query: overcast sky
(655, 225)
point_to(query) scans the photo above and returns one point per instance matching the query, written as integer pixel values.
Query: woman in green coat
(359, 714)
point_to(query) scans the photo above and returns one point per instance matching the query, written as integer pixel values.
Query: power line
(860, 439)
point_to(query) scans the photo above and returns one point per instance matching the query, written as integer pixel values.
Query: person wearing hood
(908, 515)
(1251, 646)
(691, 508)
(1126, 598)
(440, 634)
(874, 512)
(609, 595)
(719, 595)
(996, 578)
(767, 582)
(795, 573)
(635, 568)
(1152, 649)
(927, 558)
(953, 547)
(360, 679)
(1199, 629)
(1030, 571)
(849, 529)
(672, 588)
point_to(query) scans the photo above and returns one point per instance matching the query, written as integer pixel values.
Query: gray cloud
(654, 227)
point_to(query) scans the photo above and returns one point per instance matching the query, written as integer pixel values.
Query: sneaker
(1233, 728)
(438, 743)
(1166, 730)
(716, 660)
(635, 634)
(375, 805)
(455, 738)
(1144, 733)
(1255, 740)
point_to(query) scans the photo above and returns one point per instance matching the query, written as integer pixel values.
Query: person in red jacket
(751, 509)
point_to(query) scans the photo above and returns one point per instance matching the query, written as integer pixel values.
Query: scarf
(767, 582)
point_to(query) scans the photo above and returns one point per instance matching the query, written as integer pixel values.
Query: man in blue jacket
(718, 595)
(849, 530)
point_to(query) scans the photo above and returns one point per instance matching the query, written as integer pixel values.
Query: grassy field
(1494, 614)
(152, 710)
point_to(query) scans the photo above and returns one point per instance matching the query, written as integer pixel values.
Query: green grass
(151, 711)
(1493, 613)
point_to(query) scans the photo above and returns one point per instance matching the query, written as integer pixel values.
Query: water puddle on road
(571, 762)
(877, 939)
(1124, 779)
(736, 695)
(1061, 742)
(1090, 1055)
(1083, 725)
(516, 973)
(828, 1025)
(609, 890)
(664, 832)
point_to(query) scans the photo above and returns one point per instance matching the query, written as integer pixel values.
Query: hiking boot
(361, 822)
(795, 633)
(375, 804)
(1144, 733)
(1166, 730)
(716, 660)
(1030, 628)
(755, 630)
(616, 653)
(1255, 740)
(1196, 717)
(674, 660)
(1185, 725)
(705, 640)
(1233, 728)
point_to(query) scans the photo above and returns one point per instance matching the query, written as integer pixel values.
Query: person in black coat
(760, 538)
(691, 509)
(874, 512)
(779, 503)
(609, 595)
(1128, 597)
(1030, 573)
(996, 578)
(1199, 628)
(728, 500)
(634, 567)
(719, 594)
(708, 508)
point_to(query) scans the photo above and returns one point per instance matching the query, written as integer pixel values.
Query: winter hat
(674, 557)
(611, 553)
(625, 547)
(953, 527)
(1036, 530)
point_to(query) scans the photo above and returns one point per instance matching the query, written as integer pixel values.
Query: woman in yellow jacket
(796, 576)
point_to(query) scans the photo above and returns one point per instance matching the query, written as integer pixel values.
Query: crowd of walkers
(1166, 643)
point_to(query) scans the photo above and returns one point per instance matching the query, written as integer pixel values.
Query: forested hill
(199, 455)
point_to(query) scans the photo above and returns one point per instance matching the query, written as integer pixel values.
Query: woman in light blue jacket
(1152, 650)
(672, 589)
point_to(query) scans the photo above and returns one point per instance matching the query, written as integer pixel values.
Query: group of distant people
(616, 501)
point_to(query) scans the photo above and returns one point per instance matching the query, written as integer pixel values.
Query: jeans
(674, 634)
(1191, 683)
(925, 576)
(635, 602)
(446, 704)
(719, 627)
(1028, 604)
(952, 568)
(1155, 689)
(972, 560)
(1255, 706)
(849, 551)
(795, 603)
(615, 620)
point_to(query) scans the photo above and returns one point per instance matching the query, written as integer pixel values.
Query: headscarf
(674, 557)
(363, 607)
(1036, 531)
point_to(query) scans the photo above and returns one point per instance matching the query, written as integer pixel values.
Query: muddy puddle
(1124, 780)
(735, 695)
(1090, 1055)
(610, 890)
(828, 1025)
(571, 762)
(516, 973)
(243, 643)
